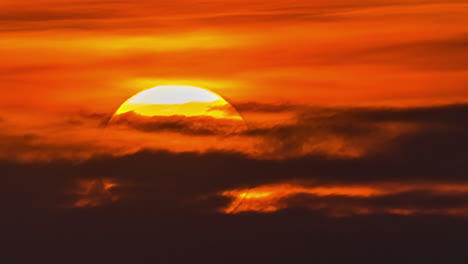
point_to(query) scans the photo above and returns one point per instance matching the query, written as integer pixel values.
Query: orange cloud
(95, 192)
(345, 200)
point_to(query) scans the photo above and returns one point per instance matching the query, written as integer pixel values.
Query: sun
(179, 118)
(178, 100)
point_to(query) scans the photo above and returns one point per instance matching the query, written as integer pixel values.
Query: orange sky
(60, 57)
(303, 74)
(246, 131)
(95, 54)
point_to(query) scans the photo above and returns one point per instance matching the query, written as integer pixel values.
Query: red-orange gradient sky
(60, 58)
(94, 54)
(342, 137)
(351, 108)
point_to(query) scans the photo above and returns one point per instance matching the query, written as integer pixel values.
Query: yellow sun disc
(178, 100)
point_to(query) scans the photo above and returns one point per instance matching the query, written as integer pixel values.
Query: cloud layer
(429, 155)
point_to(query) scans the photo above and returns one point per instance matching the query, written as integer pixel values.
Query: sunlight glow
(180, 100)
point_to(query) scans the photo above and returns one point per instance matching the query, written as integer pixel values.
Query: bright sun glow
(179, 100)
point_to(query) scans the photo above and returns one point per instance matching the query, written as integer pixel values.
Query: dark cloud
(196, 126)
(410, 202)
(163, 207)
(142, 234)
(369, 129)
(329, 131)
(18, 143)
(31, 146)
(442, 113)
(93, 115)
(446, 114)
(267, 108)
(176, 180)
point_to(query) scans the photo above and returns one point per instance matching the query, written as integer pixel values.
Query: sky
(353, 144)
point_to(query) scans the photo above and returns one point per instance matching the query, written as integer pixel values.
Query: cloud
(196, 126)
(168, 202)
(400, 204)
(352, 199)
(119, 235)
(180, 178)
(408, 203)
(157, 204)
(268, 108)
(361, 131)
(353, 134)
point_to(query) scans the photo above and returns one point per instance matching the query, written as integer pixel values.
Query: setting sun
(170, 100)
